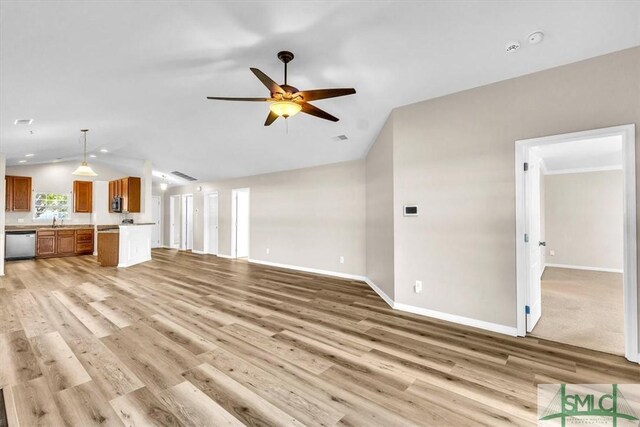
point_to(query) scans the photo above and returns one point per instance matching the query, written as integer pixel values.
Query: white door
(174, 231)
(212, 224)
(157, 228)
(187, 223)
(534, 245)
(240, 218)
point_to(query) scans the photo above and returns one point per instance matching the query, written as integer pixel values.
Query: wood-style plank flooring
(189, 339)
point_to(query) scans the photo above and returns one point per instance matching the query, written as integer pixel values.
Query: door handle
(542, 243)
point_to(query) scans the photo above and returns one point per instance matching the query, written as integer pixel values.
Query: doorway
(186, 243)
(175, 222)
(156, 218)
(211, 224)
(532, 254)
(240, 207)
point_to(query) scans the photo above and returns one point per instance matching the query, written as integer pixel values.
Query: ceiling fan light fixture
(285, 108)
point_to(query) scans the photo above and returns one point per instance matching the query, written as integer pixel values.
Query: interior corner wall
(306, 217)
(454, 157)
(379, 211)
(584, 219)
(2, 211)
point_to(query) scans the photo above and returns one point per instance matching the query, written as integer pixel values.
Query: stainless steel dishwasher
(20, 244)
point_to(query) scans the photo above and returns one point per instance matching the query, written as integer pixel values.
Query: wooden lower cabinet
(45, 243)
(108, 248)
(59, 243)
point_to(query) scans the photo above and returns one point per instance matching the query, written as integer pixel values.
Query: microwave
(116, 204)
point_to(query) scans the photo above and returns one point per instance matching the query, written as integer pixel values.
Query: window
(52, 205)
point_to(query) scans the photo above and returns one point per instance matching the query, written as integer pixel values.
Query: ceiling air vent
(183, 176)
(341, 138)
(23, 122)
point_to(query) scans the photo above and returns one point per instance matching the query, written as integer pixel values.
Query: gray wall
(306, 217)
(454, 156)
(584, 219)
(380, 257)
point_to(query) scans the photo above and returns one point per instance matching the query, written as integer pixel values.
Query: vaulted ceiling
(137, 73)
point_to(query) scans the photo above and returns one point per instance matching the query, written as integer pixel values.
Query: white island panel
(135, 244)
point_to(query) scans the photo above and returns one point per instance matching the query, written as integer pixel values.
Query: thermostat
(410, 210)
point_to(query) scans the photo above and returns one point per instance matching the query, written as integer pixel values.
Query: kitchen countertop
(34, 227)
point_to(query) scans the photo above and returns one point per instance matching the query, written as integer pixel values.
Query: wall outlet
(552, 252)
(417, 288)
(267, 251)
(20, 220)
(341, 260)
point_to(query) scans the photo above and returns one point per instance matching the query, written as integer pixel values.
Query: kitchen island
(134, 243)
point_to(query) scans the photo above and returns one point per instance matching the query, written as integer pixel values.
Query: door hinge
(526, 238)
(526, 166)
(527, 309)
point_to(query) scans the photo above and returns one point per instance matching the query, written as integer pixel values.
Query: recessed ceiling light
(23, 121)
(104, 150)
(22, 161)
(29, 155)
(93, 156)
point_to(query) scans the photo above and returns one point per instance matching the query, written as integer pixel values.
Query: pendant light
(84, 169)
(163, 184)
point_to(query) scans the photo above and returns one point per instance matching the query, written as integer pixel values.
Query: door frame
(153, 199)
(207, 249)
(234, 221)
(172, 220)
(630, 284)
(184, 221)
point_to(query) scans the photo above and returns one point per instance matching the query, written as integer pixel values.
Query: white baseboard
(582, 267)
(379, 291)
(310, 270)
(453, 318)
(225, 256)
(198, 252)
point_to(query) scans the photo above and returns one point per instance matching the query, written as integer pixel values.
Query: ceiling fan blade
(266, 80)
(315, 111)
(271, 118)
(315, 94)
(223, 98)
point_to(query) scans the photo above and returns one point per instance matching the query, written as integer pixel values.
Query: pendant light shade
(84, 169)
(163, 184)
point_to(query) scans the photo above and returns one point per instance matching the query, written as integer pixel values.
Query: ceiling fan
(286, 101)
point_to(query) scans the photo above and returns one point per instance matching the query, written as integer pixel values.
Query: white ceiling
(589, 154)
(137, 73)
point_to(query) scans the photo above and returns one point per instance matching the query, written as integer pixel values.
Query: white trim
(205, 228)
(310, 270)
(198, 252)
(461, 320)
(584, 170)
(380, 292)
(582, 267)
(627, 132)
(224, 256)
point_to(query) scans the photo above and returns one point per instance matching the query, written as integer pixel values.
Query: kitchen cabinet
(84, 241)
(129, 189)
(45, 243)
(64, 242)
(18, 196)
(82, 196)
(108, 248)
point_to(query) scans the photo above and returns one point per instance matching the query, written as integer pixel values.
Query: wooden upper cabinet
(18, 197)
(129, 189)
(82, 196)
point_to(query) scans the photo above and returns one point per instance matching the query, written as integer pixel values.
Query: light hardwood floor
(198, 340)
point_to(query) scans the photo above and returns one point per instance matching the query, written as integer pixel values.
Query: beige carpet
(582, 308)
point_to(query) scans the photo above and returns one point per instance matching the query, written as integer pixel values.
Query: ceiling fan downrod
(286, 57)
